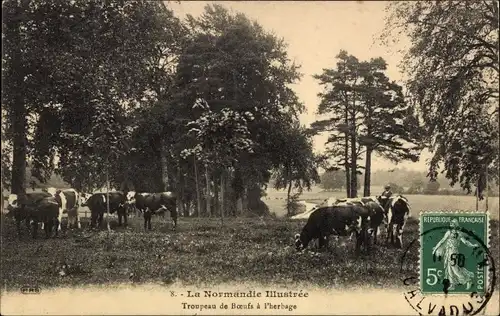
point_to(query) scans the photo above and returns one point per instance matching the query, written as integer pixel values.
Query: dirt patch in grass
(200, 251)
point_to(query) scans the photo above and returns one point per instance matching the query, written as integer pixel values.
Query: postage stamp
(452, 255)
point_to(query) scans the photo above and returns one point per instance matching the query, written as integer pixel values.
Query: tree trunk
(198, 196)
(164, 167)
(19, 112)
(179, 188)
(477, 195)
(222, 190)
(208, 201)
(107, 198)
(288, 198)
(368, 166)
(346, 156)
(487, 188)
(354, 162)
(216, 194)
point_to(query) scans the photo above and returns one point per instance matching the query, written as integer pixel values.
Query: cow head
(301, 241)
(83, 198)
(51, 190)
(13, 201)
(130, 198)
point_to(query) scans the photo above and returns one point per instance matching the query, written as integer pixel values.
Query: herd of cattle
(360, 217)
(49, 206)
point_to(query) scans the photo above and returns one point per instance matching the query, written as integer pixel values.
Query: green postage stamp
(453, 259)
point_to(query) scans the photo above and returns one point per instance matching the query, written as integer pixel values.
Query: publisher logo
(31, 290)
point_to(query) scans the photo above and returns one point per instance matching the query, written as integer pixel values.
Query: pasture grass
(201, 251)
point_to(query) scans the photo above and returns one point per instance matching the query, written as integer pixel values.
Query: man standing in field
(386, 195)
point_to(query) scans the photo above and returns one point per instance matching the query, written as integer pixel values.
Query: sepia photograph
(250, 157)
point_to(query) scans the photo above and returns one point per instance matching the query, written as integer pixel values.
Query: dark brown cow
(341, 220)
(32, 208)
(154, 203)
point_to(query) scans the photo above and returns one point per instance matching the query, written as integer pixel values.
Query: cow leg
(47, 227)
(59, 218)
(359, 241)
(375, 233)
(393, 234)
(399, 239)
(18, 225)
(119, 213)
(321, 241)
(78, 224)
(56, 224)
(173, 215)
(34, 225)
(147, 219)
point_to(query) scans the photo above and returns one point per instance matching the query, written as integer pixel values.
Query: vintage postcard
(249, 157)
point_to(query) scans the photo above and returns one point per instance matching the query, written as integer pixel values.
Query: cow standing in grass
(375, 213)
(97, 203)
(153, 203)
(397, 210)
(69, 202)
(32, 208)
(341, 220)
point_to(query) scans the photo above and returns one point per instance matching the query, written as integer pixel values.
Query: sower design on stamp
(451, 257)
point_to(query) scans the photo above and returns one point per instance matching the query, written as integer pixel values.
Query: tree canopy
(452, 66)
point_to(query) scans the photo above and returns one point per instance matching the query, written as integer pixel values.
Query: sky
(315, 32)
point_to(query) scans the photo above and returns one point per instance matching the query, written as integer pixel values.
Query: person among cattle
(386, 195)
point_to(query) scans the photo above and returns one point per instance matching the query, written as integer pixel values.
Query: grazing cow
(397, 210)
(342, 220)
(97, 204)
(375, 211)
(34, 207)
(69, 201)
(154, 203)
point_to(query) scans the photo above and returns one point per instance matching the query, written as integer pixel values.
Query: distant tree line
(335, 181)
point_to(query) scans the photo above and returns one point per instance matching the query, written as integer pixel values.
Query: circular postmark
(449, 282)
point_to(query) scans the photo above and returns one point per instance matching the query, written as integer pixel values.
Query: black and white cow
(154, 203)
(375, 211)
(340, 220)
(32, 208)
(397, 211)
(97, 203)
(69, 202)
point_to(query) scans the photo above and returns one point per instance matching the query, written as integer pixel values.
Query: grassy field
(200, 252)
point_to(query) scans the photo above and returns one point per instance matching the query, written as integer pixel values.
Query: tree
(367, 112)
(417, 186)
(390, 126)
(432, 187)
(395, 188)
(453, 69)
(81, 61)
(340, 101)
(298, 167)
(333, 180)
(222, 137)
(232, 63)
